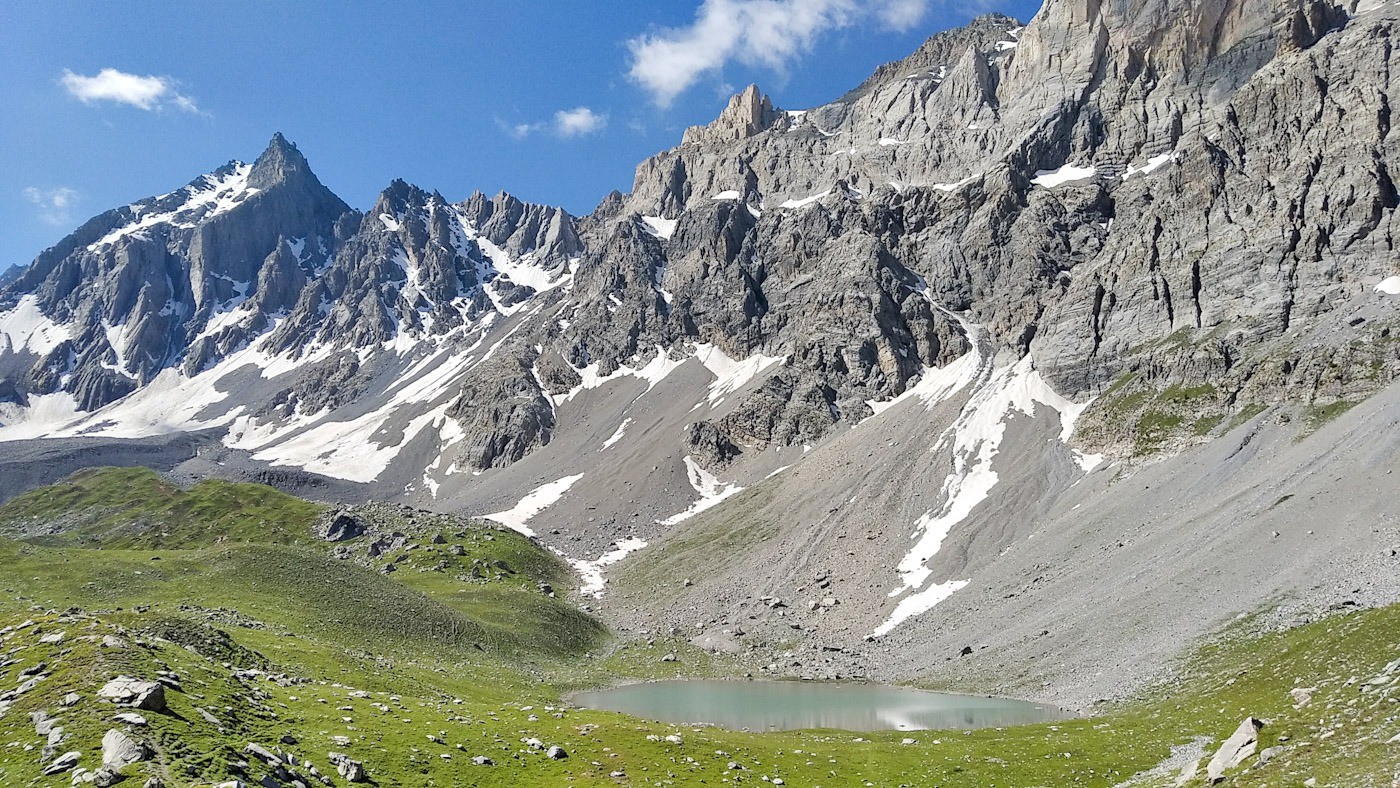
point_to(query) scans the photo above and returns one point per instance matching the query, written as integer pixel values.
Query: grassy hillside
(135, 507)
(458, 653)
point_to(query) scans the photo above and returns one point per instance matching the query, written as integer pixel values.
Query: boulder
(482, 760)
(138, 694)
(557, 753)
(263, 754)
(120, 750)
(1241, 744)
(351, 770)
(63, 763)
(340, 526)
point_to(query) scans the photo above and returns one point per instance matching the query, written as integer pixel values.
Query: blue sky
(555, 102)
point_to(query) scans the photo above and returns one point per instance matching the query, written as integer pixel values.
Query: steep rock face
(135, 288)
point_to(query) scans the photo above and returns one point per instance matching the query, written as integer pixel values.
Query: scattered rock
(70, 700)
(482, 760)
(1302, 696)
(130, 718)
(669, 658)
(138, 694)
(63, 763)
(1235, 750)
(263, 754)
(340, 526)
(351, 770)
(1188, 772)
(557, 753)
(120, 750)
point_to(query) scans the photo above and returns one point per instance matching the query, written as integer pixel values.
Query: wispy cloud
(576, 122)
(143, 92)
(55, 206)
(769, 33)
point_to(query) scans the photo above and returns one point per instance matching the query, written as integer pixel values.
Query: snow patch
(1389, 286)
(534, 502)
(731, 375)
(712, 492)
(659, 227)
(1152, 164)
(1066, 174)
(617, 436)
(26, 329)
(653, 373)
(214, 195)
(728, 194)
(952, 187)
(974, 440)
(592, 571)
(793, 204)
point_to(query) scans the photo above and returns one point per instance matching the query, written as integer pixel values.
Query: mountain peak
(748, 113)
(279, 163)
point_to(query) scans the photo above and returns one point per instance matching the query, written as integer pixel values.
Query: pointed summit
(748, 113)
(279, 163)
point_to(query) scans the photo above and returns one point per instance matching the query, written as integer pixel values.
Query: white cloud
(769, 33)
(578, 121)
(902, 14)
(55, 205)
(148, 93)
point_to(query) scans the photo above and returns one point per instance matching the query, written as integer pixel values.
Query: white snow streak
(973, 439)
(592, 571)
(617, 436)
(1066, 174)
(731, 375)
(26, 329)
(218, 195)
(712, 492)
(1151, 165)
(534, 502)
(1390, 286)
(791, 204)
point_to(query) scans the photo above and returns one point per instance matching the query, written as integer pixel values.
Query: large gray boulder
(1234, 750)
(136, 693)
(120, 750)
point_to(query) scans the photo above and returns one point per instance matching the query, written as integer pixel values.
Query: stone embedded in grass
(1235, 750)
(120, 750)
(557, 753)
(63, 763)
(353, 771)
(129, 718)
(128, 691)
(482, 760)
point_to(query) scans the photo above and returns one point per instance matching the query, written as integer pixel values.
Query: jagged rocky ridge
(1172, 214)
